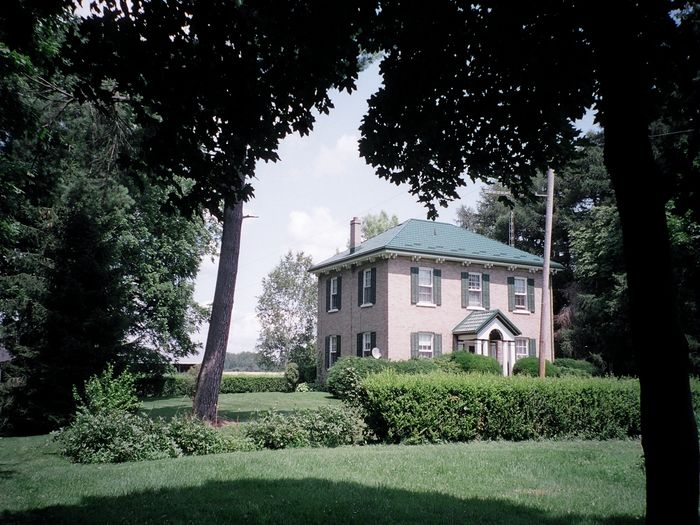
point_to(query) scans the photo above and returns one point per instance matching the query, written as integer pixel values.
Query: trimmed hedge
(346, 375)
(530, 366)
(415, 366)
(469, 362)
(447, 407)
(184, 385)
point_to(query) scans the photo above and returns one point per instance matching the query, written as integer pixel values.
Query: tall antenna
(544, 311)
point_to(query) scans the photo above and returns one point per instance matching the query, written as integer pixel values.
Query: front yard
(523, 483)
(242, 407)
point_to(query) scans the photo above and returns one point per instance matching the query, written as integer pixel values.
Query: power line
(655, 135)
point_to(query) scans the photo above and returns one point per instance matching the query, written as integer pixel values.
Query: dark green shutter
(373, 339)
(340, 289)
(465, 289)
(337, 347)
(359, 345)
(373, 290)
(414, 344)
(511, 294)
(414, 285)
(328, 352)
(437, 345)
(437, 289)
(328, 294)
(485, 292)
(531, 294)
(532, 347)
(360, 279)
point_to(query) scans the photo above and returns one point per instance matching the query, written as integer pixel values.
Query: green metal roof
(423, 237)
(477, 320)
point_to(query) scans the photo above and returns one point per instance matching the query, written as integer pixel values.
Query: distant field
(485, 483)
(242, 407)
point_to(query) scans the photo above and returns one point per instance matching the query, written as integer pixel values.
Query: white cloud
(341, 159)
(317, 233)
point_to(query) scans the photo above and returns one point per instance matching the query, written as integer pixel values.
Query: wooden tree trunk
(209, 381)
(669, 434)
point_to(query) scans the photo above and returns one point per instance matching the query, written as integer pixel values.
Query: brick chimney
(355, 240)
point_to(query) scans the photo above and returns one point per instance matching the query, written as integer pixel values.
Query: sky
(305, 201)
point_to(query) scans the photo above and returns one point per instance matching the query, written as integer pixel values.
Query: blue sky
(305, 202)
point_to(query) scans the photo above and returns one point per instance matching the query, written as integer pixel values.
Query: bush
(447, 363)
(530, 366)
(580, 365)
(194, 438)
(238, 384)
(469, 362)
(447, 407)
(415, 366)
(115, 437)
(329, 426)
(291, 375)
(106, 394)
(345, 376)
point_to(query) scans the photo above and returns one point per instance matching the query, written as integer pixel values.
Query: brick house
(424, 288)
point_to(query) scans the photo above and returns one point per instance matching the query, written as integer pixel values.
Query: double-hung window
(474, 289)
(520, 292)
(335, 303)
(367, 344)
(367, 286)
(425, 344)
(425, 285)
(332, 350)
(521, 348)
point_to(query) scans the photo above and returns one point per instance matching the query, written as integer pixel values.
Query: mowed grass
(242, 407)
(526, 483)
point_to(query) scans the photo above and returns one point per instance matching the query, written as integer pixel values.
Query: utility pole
(545, 308)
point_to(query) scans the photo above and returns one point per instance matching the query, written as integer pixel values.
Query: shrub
(329, 426)
(447, 363)
(415, 366)
(195, 438)
(115, 437)
(578, 364)
(105, 393)
(469, 362)
(446, 407)
(530, 366)
(303, 387)
(345, 376)
(238, 384)
(291, 375)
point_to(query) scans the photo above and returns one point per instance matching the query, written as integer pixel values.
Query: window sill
(522, 312)
(426, 305)
(475, 308)
(366, 305)
(332, 311)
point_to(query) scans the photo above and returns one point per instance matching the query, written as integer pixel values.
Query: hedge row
(184, 385)
(447, 407)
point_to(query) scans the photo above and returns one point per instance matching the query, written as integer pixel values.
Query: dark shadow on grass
(7, 474)
(298, 501)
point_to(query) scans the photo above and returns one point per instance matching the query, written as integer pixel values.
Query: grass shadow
(298, 501)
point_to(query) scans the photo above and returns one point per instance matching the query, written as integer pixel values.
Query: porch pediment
(477, 321)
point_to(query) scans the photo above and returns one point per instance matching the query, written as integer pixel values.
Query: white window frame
(426, 345)
(366, 344)
(425, 289)
(332, 350)
(334, 295)
(522, 294)
(366, 287)
(476, 303)
(524, 343)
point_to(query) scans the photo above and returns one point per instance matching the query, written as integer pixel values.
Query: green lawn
(242, 407)
(527, 483)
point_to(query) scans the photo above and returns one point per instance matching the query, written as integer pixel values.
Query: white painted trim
(366, 305)
(423, 304)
